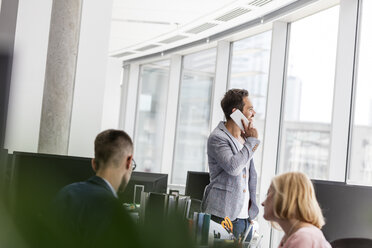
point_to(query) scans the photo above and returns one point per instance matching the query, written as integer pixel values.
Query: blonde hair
(294, 198)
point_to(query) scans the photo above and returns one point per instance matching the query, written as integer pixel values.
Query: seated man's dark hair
(111, 146)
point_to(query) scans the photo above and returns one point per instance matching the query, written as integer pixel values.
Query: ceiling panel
(134, 22)
(164, 24)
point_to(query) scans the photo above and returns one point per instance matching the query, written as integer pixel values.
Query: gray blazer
(227, 166)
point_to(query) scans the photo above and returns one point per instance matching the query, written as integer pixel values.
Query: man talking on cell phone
(233, 178)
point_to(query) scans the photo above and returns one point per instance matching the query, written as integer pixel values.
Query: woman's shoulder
(309, 229)
(307, 236)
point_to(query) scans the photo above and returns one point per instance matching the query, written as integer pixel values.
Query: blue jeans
(240, 226)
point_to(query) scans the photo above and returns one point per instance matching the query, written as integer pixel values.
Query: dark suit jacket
(88, 215)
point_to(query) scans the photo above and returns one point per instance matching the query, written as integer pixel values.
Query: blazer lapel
(233, 140)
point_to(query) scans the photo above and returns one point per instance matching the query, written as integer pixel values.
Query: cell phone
(237, 117)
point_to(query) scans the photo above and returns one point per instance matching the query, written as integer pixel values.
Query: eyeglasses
(134, 165)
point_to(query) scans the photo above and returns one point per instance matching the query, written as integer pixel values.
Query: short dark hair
(111, 146)
(233, 99)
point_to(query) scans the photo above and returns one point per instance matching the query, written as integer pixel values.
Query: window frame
(170, 175)
(139, 88)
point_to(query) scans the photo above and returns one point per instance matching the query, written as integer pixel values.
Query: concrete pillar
(60, 76)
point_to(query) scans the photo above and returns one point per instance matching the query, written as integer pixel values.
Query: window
(360, 170)
(150, 120)
(250, 70)
(308, 97)
(194, 106)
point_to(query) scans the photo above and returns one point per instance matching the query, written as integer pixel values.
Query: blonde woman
(292, 204)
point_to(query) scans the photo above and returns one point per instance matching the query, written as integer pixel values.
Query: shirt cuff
(252, 144)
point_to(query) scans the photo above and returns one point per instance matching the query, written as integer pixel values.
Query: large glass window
(308, 97)
(150, 121)
(250, 70)
(360, 170)
(192, 131)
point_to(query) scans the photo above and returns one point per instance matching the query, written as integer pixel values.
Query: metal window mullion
(123, 95)
(129, 100)
(171, 115)
(344, 77)
(273, 110)
(220, 82)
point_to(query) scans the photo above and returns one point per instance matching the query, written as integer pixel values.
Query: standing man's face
(248, 110)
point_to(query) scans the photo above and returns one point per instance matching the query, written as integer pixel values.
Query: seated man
(88, 214)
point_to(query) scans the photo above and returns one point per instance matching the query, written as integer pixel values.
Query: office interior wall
(111, 101)
(28, 74)
(90, 77)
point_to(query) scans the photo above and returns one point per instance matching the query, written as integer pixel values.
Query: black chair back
(195, 184)
(342, 203)
(352, 243)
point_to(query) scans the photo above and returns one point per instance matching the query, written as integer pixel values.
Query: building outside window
(194, 111)
(150, 118)
(308, 95)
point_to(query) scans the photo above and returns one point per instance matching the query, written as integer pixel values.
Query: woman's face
(268, 205)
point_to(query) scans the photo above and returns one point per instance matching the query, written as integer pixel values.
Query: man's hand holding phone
(249, 130)
(244, 124)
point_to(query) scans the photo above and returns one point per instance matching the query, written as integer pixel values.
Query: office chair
(352, 243)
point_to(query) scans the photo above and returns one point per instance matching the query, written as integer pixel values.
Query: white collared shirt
(244, 212)
(112, 188)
